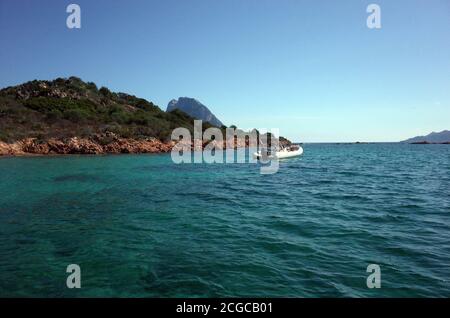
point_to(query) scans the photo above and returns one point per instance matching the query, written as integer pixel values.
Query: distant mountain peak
(194, 108)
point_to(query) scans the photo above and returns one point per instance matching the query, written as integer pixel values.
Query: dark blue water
(139, 225)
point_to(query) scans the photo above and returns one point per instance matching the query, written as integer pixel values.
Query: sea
(143, 226)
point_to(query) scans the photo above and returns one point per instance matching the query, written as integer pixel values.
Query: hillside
(434, 137)
(70, 116)
(70, 107)
(195, 109)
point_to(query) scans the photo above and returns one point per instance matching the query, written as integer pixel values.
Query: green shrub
(4, 136)
(105, 92)
(76, 115)
(54, 115)
(91, 86)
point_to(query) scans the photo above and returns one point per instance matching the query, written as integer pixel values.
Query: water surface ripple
(139, 225)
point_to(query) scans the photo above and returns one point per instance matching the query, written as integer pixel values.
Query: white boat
(286, 152)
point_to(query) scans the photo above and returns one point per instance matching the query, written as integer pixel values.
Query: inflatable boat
(286, 152)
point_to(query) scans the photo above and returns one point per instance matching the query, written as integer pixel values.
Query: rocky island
(70, 116)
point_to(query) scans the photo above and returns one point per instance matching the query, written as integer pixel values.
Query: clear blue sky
(311, 68)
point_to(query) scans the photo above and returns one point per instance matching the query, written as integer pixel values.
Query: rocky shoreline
(110, 143)
(96, 145)
(107, 143)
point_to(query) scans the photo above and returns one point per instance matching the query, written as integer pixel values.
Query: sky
(313, 69)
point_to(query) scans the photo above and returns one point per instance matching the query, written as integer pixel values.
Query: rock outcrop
(107, 143)
(195, 109)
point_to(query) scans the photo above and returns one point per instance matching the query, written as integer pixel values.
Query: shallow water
(139, 225)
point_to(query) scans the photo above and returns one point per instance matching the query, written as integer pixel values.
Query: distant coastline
(429, 143)
(442, 137)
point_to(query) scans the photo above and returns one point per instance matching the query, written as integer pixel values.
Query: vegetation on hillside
(71, 107)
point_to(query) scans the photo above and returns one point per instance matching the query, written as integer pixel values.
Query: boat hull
(281, 154)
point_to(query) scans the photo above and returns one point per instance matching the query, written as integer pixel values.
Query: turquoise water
(139, 225)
